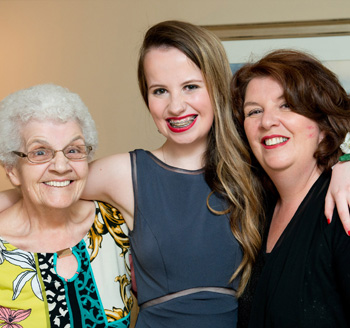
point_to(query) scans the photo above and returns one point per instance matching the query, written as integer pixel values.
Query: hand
(339, 194)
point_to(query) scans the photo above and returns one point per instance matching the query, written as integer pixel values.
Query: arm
(339, 194)
(8, 198)
(110, 181)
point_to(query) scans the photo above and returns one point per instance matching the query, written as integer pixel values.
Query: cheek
(155, 108)
(311, 131)
(83, 171)
(200, 100)
(210, 115)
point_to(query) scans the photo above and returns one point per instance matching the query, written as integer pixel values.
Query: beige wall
(90, 46)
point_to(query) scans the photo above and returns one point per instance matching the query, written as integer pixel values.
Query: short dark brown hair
(310, 89)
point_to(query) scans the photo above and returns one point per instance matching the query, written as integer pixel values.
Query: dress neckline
(294, 219)
(173, 168)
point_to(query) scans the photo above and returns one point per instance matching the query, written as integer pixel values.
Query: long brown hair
(227, 166)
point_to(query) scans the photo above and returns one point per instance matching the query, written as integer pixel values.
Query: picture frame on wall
(328, 40)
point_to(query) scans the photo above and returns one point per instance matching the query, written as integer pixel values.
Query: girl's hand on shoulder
(339, 194)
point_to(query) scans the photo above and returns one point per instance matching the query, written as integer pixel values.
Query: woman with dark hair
(294, 116)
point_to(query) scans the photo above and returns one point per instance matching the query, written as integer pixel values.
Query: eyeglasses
(43, 155)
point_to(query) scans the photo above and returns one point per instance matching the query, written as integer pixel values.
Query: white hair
(41, 102)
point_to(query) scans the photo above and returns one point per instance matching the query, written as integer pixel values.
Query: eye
(159, 91)
(286, 106)
(253, 112)
(75, 150)
(72, 150)
(40, 152)
(191, 87)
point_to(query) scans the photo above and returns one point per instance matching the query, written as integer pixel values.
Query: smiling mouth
(274, 141)
(59, 184)
(182, 123)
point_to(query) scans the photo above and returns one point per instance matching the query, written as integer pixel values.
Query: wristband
(344, 158)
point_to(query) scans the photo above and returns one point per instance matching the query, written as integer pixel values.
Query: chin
(60, 203)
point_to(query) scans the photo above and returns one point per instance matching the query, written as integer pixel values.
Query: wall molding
(278, 30)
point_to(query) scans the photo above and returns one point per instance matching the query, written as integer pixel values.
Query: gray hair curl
(41, 102)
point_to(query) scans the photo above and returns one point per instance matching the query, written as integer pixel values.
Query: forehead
(51, 132)
(264, 86)
(167, 62)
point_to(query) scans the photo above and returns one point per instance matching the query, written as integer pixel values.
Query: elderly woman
(63, 261)
(295, 115)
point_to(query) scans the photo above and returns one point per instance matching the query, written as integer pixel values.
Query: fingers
(339, 194)
(329, 207)
(342, 202)
(343, 211)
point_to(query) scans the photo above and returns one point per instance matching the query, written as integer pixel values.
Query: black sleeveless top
(304, 281)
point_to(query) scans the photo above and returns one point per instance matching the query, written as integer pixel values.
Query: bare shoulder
(113, 170)
(12, 223)
(8, 198)
(114, 162)
(110, 181)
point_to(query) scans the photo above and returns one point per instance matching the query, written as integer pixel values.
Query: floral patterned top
(98, 295)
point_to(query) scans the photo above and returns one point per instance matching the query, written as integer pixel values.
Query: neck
(293, 186)
(42, 218)
(46, 230)
(187, 157)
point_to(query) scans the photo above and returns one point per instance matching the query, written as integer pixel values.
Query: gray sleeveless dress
(183, 254)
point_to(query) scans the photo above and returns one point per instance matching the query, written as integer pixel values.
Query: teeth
(275, 141)
(58, 183)
(183, 122)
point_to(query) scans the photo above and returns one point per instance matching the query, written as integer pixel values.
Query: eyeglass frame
(53, 152)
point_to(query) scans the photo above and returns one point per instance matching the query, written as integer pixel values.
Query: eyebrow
(193, 81)
(253, 103)
(156, 86)
(152, 86)
(250, 103)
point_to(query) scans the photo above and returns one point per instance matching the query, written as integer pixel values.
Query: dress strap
(168, 297)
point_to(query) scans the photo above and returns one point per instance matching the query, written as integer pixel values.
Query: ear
(13, 174)
(321, 136)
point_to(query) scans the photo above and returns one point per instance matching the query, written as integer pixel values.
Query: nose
(177, 104)
(269, 119)
(60, 163)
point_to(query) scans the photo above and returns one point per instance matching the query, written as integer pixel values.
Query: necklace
(64, 253)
